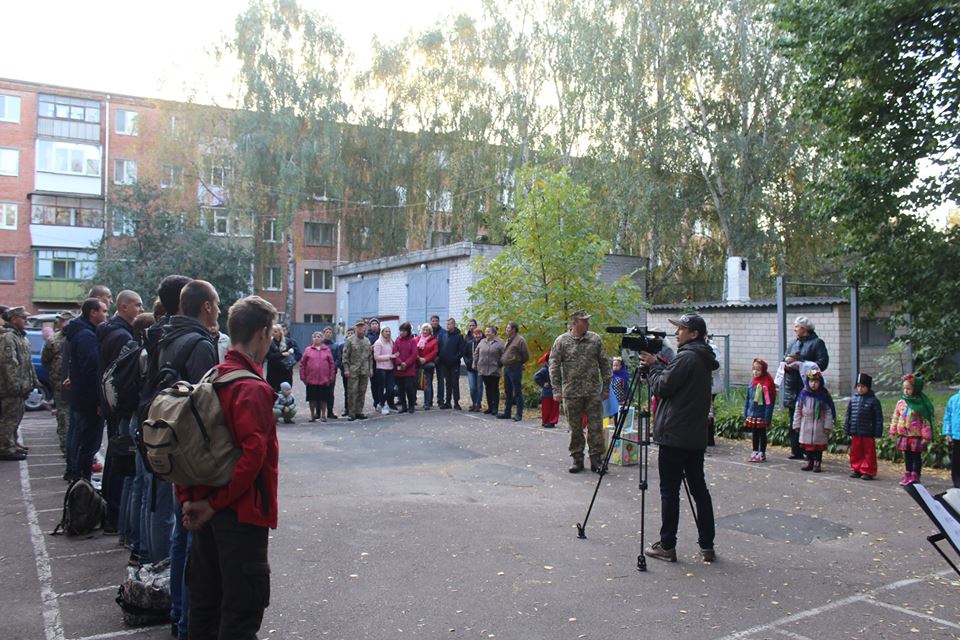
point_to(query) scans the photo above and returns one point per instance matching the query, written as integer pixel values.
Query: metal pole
(726, 366)
(854, 333)
(781, 315)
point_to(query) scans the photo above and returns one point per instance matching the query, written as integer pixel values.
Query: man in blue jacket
(86, 423)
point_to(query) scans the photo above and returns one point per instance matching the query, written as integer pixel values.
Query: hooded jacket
(185, 340)
(84, 364)
(683, 392)
(112, 336)
(452, 348)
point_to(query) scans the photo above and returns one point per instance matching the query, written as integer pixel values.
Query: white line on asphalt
(49, 510)
(45, 455)
(118, 634)
(48, 464)
(52, 625)
(81, 592)
(48, 478)
(87, 553)
(829, 607)
(791, 634)
(919, 614)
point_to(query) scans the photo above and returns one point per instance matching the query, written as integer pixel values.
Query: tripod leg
(693, 509)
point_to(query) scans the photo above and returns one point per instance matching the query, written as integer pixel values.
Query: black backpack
(83, 509)
(144, 596)
(121, 382)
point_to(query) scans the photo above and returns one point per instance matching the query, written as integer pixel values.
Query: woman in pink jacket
(318, 371)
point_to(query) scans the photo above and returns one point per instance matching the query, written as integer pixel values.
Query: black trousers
(492, 386)
(795, 448)
(407, 390)
(955, 463)
(674, 464)
(451, 375)
(913, 461)
(229, 578)
(441, 375)
(760, 440)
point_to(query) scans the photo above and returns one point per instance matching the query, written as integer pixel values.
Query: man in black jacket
(680, 429)
(451, 351)
(86, 425)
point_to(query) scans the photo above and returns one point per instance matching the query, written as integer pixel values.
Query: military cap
(65, 315)
(360, 323)
(580, 315)
(16, 311)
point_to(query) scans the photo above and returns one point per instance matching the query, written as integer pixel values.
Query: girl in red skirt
(912, 426)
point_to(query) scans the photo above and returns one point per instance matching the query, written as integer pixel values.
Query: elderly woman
(427, 351)
(486, 358)
(807, 347)
(318, 371)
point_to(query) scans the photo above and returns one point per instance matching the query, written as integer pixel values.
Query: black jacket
(470, 344)
(276, 372)
(84, 364)
(682, 389)
(187, 341)
(452, 348)
(811, 349)
(864, 416)
(112, 336)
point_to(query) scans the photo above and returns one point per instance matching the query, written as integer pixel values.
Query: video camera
(640, 339)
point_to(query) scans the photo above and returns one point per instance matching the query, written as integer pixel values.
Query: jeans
(512, 378)
(179, 594)
(383, 386)
(229, 578)
(674, 464)
(83, 441)
(492, 385)
(158, 523)
(475, 384)
(128, 522)
(428, 387)
(441, 380)
(451, 374)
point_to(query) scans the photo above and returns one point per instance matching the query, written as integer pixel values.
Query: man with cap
(17, 379)
(356, 369)
(580, 371)
(864, 424)
(52, 359)
(682, 388)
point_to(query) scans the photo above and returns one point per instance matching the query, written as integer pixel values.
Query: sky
(161, 49)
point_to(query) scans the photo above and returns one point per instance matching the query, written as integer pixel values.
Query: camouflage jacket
(579, 367)
(17, 375)
(52, 357)
(357, 355)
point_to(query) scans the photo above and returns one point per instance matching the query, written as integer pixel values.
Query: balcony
(58, 290)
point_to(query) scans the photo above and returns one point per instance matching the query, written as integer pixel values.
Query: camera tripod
(642, 404)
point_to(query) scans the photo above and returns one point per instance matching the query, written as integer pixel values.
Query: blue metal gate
(363, 299)
(428, 293)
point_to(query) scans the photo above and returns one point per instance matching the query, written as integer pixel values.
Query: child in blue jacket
(758, 408)
(951, 429)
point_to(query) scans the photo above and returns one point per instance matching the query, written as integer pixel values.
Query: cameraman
(682, 389)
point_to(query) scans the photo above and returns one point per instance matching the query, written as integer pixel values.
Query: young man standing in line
(228, 568)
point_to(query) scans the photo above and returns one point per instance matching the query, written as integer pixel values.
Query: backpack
(83, 509)
(185, 439)
(144, 596)
(158, 377)
(121, 382)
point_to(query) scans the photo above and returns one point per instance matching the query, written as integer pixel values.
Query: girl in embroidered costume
(758, 408)
(912, 426)
(814, 418)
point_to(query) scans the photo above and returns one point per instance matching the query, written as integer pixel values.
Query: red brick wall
(15, 189)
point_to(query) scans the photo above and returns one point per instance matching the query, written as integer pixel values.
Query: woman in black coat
(280, 360)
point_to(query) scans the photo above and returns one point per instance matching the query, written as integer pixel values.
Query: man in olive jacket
(680, 429)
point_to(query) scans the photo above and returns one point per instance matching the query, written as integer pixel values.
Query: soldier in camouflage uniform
(17, 380)
(52, 359)
(579, 369)
(356, 368)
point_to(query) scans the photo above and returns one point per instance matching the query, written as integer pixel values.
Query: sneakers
(763, 457)
(906, 479)
(866, 476)
(657, 551)
(855, 474)
(384, 410)
(807, 467)
(755, 456)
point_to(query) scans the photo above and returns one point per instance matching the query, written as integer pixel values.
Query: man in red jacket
(228, 571)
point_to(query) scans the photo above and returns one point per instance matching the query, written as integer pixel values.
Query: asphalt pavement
(446, 524)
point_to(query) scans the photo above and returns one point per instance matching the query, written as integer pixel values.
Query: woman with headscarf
(813, 419)
(758, 408)
(912, 426)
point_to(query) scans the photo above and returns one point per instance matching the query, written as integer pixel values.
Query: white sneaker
(385, 410)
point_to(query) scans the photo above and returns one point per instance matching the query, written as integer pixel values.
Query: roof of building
(754, 304)
(446, 252)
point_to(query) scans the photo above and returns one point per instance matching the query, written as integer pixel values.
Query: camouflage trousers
(11, 413)
(356, 394)
(591, 409)
(63, 419)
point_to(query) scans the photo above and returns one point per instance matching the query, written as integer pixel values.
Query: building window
(122, 223)
(442, 203)
(65, 212)
(8, 269)
(317, 280)
(8, 215)
(124, 171)
(63, 264)
(63, 108)
(126, 122)
(171, 176)
(173, 124)
(220, 172)
(272, 278)
(221, 222)
(9, 162)
(318, 318)
(874, 333)
(65, 157)
(271, 231)
(318, 234)
(440, 238)
(9, 109)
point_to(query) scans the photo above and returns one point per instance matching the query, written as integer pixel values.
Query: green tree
(148, 242)
(881, 76)
(551, 266)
